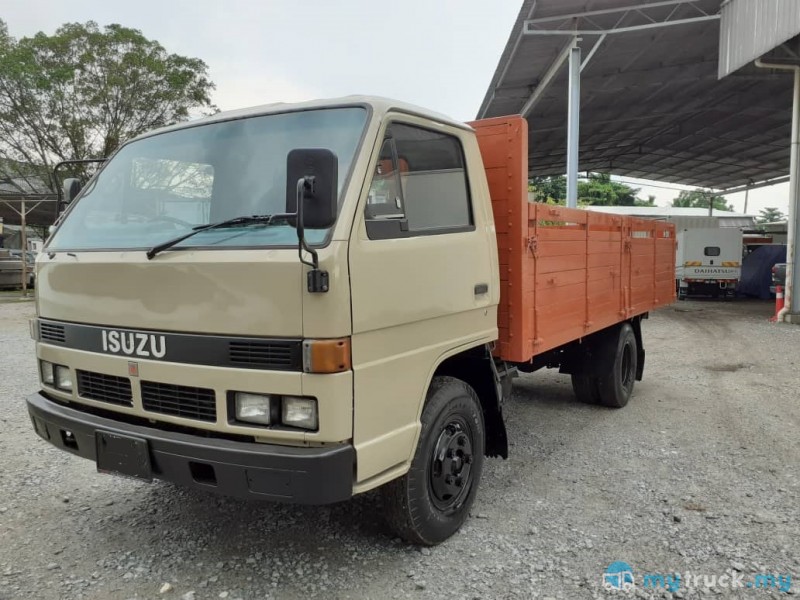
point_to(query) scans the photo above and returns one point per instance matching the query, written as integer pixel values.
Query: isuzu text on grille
(134, 344)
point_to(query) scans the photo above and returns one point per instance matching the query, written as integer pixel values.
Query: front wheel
(430, 502)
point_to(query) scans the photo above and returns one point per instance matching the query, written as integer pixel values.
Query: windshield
(162, 186)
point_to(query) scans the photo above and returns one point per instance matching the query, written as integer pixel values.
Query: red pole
(779, 301)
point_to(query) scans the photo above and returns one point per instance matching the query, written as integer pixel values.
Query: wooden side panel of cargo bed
(565, 273)
(592, 270)
(605, 255)
(558, 254)
(665, 263)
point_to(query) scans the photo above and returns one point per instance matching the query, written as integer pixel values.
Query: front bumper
(232, 468)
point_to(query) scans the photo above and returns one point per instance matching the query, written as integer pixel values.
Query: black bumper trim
(240, 469)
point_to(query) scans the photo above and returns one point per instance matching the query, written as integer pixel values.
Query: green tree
(700, 198)
(597, 190)
(83, 91)
(600, 190)
(770, 215)
(651, 201)
(549, 189)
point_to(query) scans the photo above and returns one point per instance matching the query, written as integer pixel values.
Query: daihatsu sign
(751, 28)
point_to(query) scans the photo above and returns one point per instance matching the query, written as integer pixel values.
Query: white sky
(440, 54)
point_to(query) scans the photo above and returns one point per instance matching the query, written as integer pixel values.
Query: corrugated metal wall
(751, 28)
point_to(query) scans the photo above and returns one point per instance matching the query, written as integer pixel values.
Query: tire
(616, 387)
(427, 505)
(585, 389)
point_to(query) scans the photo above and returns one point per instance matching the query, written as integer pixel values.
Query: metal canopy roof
(40, 209)
(651, 103)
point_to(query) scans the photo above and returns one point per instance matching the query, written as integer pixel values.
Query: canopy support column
(573, 125)
(793, 248)
(791, 310)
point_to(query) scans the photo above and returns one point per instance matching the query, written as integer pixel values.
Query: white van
(708, 262)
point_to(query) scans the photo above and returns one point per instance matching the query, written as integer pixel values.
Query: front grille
(105, 388)
(52, 332)
(179, 400)
(278, 355)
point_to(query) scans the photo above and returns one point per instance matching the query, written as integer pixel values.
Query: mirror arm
(304, 184)
(317, 280)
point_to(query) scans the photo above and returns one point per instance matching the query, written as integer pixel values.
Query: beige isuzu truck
(304, 302)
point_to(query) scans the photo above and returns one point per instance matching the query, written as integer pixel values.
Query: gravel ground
(699, 473)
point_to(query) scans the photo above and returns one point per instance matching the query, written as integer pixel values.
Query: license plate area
(123, 455)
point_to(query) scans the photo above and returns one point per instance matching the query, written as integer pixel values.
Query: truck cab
(180, 336)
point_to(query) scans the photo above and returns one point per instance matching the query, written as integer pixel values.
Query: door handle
(481, 288)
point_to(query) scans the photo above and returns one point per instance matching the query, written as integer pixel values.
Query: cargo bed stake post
(791, 310)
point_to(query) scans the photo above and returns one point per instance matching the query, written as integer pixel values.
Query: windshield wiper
(246, 220)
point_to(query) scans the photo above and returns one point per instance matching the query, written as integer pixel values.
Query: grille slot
(105, 388)
(281, 356)
(52, 332)
(179, 400)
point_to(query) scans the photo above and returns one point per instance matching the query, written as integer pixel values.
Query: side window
(384, 200)
(419, 185)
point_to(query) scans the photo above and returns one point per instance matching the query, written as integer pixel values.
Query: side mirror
(71, 188)
(321, 196)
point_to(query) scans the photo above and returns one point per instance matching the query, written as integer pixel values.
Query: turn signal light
(326, 356)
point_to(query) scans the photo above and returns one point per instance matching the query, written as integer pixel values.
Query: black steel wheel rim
(450, 476)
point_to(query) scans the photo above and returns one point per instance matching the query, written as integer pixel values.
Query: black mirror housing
(71, 189)
(321, 199)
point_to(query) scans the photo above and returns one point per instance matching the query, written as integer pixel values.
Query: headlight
(253, 408)
(47, 372)
(299, 412)
(63, 378)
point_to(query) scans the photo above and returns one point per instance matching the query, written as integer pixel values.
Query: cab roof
(379, 105)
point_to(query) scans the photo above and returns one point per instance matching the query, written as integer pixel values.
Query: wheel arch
(592, 355)
(492, 383)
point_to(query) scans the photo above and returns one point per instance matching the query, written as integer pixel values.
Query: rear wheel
(616, 387)
(585, 388)
(430, 502)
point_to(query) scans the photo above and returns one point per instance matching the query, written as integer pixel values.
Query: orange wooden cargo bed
(565, 273)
